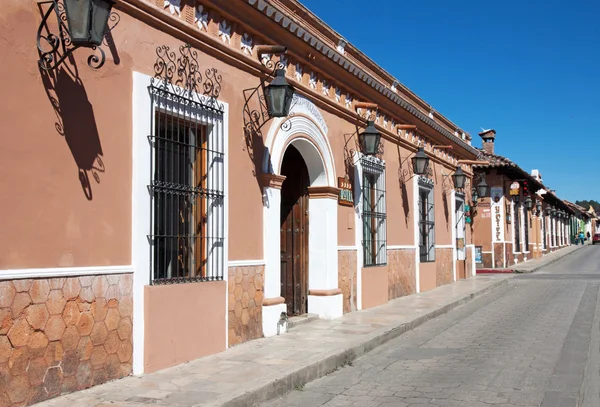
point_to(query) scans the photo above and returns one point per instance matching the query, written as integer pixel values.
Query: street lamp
(528, 203)
(483, 190)
(474, 196)
(553, 212)
(548, 211)
(278, 95)
(420, 162)
(87, 21)
(516, 199)
(459, 178)
(538, 207)
(369, 139)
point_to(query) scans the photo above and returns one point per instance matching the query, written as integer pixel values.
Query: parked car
(596, 238)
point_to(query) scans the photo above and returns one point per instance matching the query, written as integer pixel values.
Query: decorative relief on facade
(394, 86)
(246, 44)
(401, 273)
(312, 81)
(338, 94)
(347, 278)
(245, 298)
(443, 266)
(201, 18)
(225, 31)
(174, 6)
(61, 335)
(348, 101)
(298, 72)
(325, 88)
(342, 45)
(284, 62)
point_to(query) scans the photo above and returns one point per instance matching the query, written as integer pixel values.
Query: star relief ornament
(201, 18)
(173, 5)
(225, 31)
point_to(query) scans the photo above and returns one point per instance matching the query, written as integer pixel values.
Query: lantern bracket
(255, 119)
(54, 48)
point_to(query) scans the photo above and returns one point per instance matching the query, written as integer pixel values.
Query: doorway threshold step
(301, 319)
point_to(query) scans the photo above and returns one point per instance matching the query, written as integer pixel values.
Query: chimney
(488, 137)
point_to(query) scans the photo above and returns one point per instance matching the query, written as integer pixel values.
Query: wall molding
(402, 247)
(246, 263)
(444, 246)
(347, 248)
(51, 272)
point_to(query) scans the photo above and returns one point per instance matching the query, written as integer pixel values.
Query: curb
(533, 270)
(283, 385)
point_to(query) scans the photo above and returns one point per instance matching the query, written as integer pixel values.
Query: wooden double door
(294, 232)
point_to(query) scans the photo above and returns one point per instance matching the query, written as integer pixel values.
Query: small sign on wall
(345, 198)
(478, 258)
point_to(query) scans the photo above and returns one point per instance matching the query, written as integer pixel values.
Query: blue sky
(527, 68)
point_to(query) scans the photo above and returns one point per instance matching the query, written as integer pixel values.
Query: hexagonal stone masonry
(245, 288)
(60, 335)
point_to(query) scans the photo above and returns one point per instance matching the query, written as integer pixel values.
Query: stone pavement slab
(265, 368)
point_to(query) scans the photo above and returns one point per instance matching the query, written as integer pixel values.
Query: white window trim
(431, 191)
(142, 120)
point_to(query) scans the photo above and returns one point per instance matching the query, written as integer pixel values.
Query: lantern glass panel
(369, 139)
(100, 13)
(78, 20)
(528, 203)
(459, 178)
(420, 162)
(278, 95)
(483, 190)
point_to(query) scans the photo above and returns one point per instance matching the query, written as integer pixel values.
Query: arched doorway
(294, 231)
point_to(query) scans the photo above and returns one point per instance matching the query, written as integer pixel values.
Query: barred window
(517, 223)
(373, 212)
(426, 223)
(187, 195)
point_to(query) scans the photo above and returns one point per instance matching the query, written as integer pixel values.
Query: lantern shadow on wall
(76, 123)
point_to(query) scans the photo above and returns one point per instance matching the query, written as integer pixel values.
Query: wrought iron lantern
(420, 162)
(553, 212)
(516, 199)
(548, 211)
(369, 139)
(459, 178)
(483, 190)
(87, 20)
(278, 95)
(474, 196)
(528, 203)
(538, 207)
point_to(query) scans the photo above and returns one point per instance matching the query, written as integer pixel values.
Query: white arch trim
(305, 122)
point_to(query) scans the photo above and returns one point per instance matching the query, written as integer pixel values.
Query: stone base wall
(520, 257)
(246, 292)
(469, 263)
(486, 260)
(347, 278)
(401, 273)
(510, 257)
(59, 335)
(498, 255)
(443, 266)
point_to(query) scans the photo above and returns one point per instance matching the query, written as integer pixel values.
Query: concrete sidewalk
(265, 368)
(531, 266)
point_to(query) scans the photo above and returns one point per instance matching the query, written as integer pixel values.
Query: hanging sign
(497, 221)
(514, 188)
(496, 193)
(345, 198)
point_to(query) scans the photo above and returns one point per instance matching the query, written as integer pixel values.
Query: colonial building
(168, 203)
(521, 219)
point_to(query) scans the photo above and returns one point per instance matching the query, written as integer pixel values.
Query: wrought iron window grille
(374, 215)
(187, 167)
(426, 223)
(55, 48)
(517, 218)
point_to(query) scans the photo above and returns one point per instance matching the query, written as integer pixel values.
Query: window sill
(374, 265)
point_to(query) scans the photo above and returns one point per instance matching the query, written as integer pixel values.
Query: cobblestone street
(526, 344)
